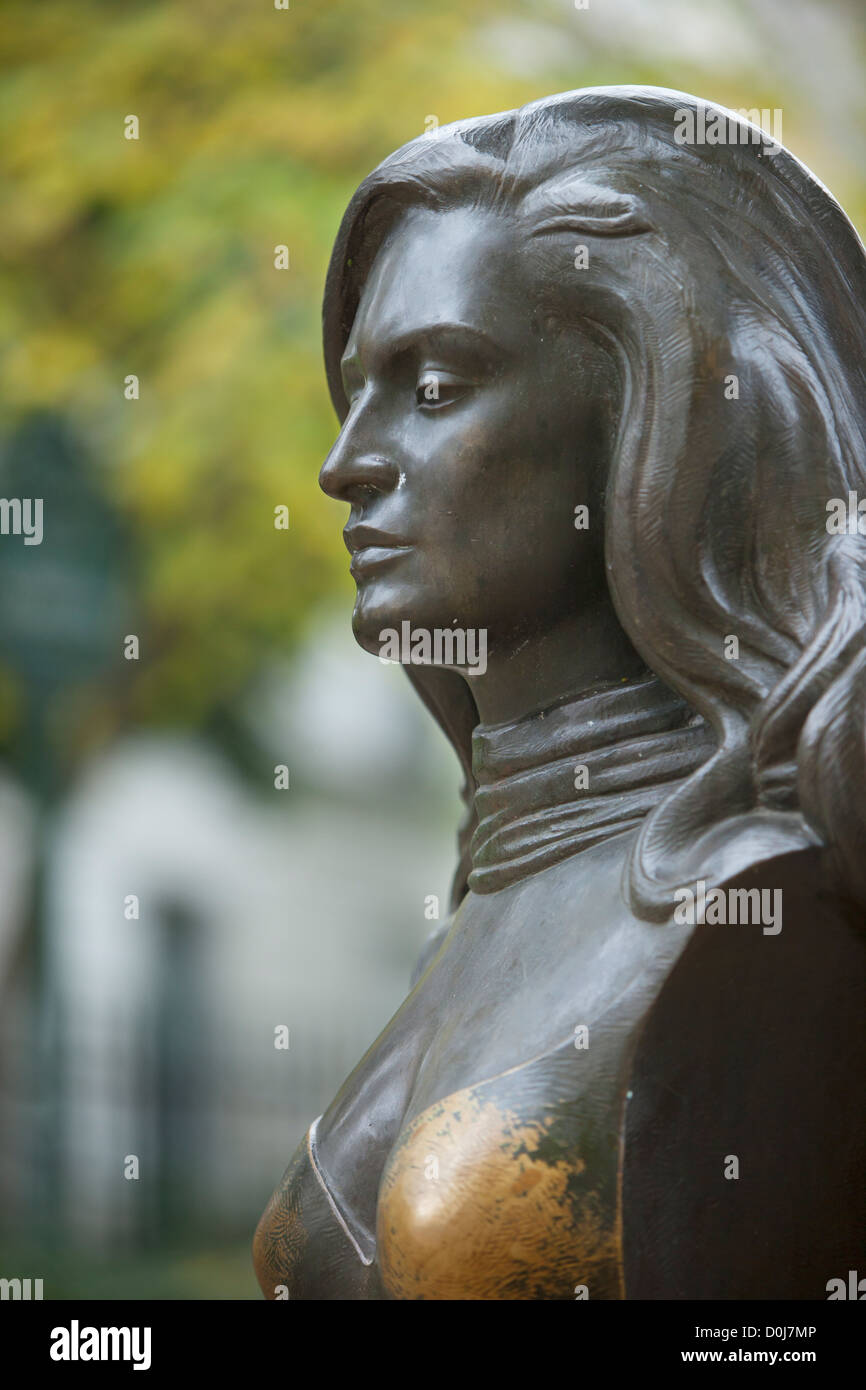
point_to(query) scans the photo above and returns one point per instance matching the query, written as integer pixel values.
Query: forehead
(462, 266)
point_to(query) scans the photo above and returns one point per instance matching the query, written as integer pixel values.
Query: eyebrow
(461, 337)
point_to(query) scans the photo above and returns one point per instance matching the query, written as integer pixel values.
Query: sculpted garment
(551, 1111)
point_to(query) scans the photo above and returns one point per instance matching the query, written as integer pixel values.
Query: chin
(374, 611)
(368, 639)
(379, 607)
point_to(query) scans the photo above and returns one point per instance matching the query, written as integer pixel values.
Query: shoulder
(740, 1138)
(430, 950)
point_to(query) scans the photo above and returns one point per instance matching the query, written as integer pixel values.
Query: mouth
(374, 557)
(371, 550)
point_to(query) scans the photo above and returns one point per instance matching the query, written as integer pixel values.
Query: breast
(475, 1151)
(303, 1246)
(506, 1190)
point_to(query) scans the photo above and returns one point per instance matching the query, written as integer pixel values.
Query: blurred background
(164, 907)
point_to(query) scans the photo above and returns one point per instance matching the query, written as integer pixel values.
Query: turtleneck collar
(587, 768)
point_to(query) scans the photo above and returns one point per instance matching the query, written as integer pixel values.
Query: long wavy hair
(730, 290)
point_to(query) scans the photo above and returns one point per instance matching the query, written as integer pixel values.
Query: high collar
(589, 767)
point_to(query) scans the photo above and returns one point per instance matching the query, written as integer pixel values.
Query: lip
(373, 557)
(370, 549)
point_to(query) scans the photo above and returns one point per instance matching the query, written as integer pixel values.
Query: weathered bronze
(601, 387)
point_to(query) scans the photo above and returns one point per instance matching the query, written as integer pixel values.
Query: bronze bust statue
(601, 390)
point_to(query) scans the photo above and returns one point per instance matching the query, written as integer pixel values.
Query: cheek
(513, 494)
(479, 470)
(495, 487)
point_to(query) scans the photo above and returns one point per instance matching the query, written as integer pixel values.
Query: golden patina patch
(477, 1203)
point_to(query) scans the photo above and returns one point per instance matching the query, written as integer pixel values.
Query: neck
(581, 652)
(577, 773)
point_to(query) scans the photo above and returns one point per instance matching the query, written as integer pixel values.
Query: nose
(351, 470)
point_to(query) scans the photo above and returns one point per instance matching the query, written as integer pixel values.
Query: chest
(555, 964)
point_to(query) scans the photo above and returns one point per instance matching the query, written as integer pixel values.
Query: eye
(436, 389)
(353, 379)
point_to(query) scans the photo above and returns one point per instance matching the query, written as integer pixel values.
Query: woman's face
(474, 431)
